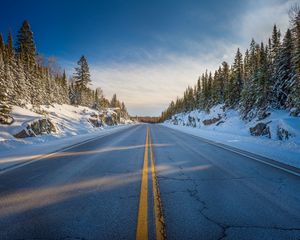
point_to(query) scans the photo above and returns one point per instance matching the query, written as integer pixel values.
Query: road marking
(228, 148)
(274, 165)
(158, 213)
(142, 224)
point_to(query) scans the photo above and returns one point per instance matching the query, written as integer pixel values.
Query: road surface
(149, 181)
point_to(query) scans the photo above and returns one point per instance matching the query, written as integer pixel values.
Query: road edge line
(240, 152)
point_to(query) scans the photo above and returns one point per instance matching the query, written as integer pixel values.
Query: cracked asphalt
(92, 191)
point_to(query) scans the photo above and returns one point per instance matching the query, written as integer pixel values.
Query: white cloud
(259, 17)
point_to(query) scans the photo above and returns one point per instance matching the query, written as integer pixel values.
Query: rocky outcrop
(175, 121)
(262, 115)
(295, 112)
(95, 120)
(191, 122)
(260, 129)
(39, 127)
(6, 119)
(283, 134)
(212, 120)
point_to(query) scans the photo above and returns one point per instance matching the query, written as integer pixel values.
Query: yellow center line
(158, 213)
(142, 224)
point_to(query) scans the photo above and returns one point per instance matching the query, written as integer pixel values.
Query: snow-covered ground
(233, 131)
(72, 127)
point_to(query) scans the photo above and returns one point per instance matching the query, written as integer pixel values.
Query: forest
(266, 76)
(28, 79)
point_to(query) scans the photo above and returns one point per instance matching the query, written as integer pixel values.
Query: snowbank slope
(226, 127)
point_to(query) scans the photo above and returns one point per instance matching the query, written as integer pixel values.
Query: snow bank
(72, 123)
(229, 129)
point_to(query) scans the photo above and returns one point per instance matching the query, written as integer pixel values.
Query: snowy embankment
(226, 127)
(69, 125)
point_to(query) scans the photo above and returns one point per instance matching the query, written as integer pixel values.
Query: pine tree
(114, 101)
(82, 79)
(2, 45)
(25, 45)
(275, 44)
(238, 78)
(284, 71)
(5, 107)
(294, 98)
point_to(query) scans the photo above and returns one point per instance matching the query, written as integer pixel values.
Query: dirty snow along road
(115, 188)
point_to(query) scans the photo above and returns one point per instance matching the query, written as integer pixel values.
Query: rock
(295, 112)
(110, 121)
(22, 134)
(191, 122)
(95, 122)
(283, 134)
(41, 126)
(260, 129)
(262, 115)
(6, 119)
(212, 120)
(175, 121)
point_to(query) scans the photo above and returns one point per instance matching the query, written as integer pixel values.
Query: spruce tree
(82, 79)
(25, 45)
(5, 107)
(284, 71)
(294, 98)
(238, 77)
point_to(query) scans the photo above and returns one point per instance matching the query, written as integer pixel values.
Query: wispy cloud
(259, 17)
(147, 87)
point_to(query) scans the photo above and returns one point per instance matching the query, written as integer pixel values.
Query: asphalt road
(156, 183)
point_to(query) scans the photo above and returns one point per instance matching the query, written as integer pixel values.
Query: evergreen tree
(294, 97)
(82, 79)
(114, 101)
(5, 107)
(2, 45)
(284, 71)
(238, 78)
(25, 45)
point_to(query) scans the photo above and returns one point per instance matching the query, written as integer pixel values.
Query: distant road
(149, 181)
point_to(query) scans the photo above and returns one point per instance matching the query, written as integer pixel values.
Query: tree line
(266, 76)
(27, 78)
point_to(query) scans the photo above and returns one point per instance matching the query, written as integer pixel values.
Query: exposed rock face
(110, 120)
(191, 122)
(260, 129)
(95, 120)
(6, 119)
(212, 120)
(42, 126)
(262, 115)
(175, 121)
(283, 134)
(295, 112)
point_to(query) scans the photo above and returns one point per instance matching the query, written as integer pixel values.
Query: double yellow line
(142, 224)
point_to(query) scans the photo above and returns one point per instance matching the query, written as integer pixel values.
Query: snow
(235, 132)
(72, 127)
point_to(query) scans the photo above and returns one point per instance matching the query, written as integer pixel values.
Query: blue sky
(145, 51)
